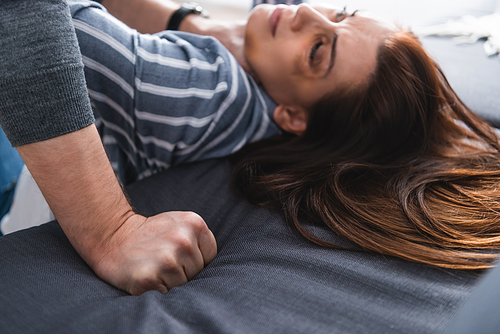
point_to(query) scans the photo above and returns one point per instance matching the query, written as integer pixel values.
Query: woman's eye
(314, 51)
(341, 15)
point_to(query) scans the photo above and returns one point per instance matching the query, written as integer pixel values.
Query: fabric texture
(42, 86)
(166, 99)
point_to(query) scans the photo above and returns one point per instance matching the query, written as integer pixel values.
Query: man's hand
(156, 253)
(130, 251)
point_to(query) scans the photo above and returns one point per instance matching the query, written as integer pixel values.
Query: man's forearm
(132, 252)
(80, 187)
(67, 160)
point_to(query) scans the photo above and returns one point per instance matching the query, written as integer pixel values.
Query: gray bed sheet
(265, 278)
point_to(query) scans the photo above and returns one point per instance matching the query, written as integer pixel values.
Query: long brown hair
(398, 165)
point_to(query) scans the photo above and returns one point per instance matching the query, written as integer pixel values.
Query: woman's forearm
(146, 16)
(152, 16)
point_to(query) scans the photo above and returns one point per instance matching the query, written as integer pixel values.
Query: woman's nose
(304, 15)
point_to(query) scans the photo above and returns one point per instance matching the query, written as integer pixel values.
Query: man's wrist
(123, 227)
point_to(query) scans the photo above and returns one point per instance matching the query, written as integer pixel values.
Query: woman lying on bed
(376, 144)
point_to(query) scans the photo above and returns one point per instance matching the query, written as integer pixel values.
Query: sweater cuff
(48, 104)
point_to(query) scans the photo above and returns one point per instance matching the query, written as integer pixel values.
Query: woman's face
(301, 53)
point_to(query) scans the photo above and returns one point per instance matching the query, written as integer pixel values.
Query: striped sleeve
(165, 99)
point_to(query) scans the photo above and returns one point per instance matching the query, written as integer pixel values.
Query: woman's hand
(230, 33)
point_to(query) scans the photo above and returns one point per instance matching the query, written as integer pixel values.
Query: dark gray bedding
(265, 278)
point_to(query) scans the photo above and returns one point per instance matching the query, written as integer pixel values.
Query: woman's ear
(291, 119)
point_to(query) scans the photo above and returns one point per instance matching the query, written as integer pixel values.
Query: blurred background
(407, 12)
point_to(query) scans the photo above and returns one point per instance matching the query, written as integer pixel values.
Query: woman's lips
(275, 17)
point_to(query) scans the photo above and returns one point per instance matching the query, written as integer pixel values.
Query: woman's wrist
(195, 24)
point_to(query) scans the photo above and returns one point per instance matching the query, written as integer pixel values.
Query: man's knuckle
(143, 278)
(184, 244)
(198, 223)
(167, 259)
(140, 271)
(193, 216)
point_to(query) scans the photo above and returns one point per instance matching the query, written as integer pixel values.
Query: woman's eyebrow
(332, 54)
(334, 45)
